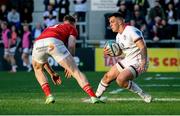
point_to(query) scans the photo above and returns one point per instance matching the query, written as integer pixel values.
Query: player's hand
(56, 79)
(67, 74)
(143, 67)
(107, 52)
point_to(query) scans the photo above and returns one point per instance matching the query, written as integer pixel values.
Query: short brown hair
(69, 18)
(116, 14)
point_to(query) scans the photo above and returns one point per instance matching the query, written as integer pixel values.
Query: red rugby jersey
(59, 31)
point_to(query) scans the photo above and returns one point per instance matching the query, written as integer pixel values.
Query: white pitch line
(134, 99)
(161, 78)
(87, 100)
(166, 78)
(138, 99)
(116, 91)
(162, 85)
(148, 78)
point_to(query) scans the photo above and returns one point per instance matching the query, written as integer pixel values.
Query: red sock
(87, 88)
(46, 89)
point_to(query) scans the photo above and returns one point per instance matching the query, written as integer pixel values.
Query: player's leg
(6, 55)
(25, 58)
(12, 59)
(39, 58)
(54, 76)
(106, 80)
(124, 80)
(13, 63)
(65, 59)
(42, 79)
(69, 64)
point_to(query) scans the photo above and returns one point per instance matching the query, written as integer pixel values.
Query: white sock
(24, 64)
(134, 88)
(14, 68)
(101, 88)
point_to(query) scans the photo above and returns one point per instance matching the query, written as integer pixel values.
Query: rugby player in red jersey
(52, 43)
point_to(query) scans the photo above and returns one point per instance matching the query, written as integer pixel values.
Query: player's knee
(11, 57)
(24, 56)
(5, 57)
(37, 66)
(121, 82)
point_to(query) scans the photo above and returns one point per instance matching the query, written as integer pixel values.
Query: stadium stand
(160, 29)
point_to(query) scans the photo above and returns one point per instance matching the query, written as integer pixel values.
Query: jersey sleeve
(74, 32)
(135, 34)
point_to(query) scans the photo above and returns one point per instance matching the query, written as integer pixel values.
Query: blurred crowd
(18, 32)
(157, 22)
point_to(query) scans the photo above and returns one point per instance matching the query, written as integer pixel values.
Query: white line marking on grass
(134, 99)
(124, 99)
(116, 91)
(166, 78)
(161, 78)
(148, 78)
(155, 85)
(138, 99)
(158, 75)
(88, 100)
(167, 99)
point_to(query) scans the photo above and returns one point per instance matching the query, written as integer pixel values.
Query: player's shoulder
(66, 24)
(131, 28)
(69, 26)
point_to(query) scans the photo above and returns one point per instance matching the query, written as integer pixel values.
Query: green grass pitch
(21, 94)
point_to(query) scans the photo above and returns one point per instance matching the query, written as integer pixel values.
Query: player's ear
(119, 22)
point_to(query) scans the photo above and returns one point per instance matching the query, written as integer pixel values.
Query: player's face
(3, 26)
(114, 24)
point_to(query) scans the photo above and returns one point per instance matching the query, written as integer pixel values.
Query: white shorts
(26, 50)
(10, 51)
(44, 48)
(131, 65)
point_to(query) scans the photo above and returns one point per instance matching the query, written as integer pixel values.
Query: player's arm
(54, 76)
(71, 48)
(72, 44)
(143, 51)
(137, 37)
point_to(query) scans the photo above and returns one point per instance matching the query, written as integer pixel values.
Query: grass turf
(21, 94)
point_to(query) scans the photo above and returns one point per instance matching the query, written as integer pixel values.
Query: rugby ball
(113, 47)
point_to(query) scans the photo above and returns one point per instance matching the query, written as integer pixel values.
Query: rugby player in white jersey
(131, 41)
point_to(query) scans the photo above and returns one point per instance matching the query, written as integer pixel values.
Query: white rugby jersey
(126, 40)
